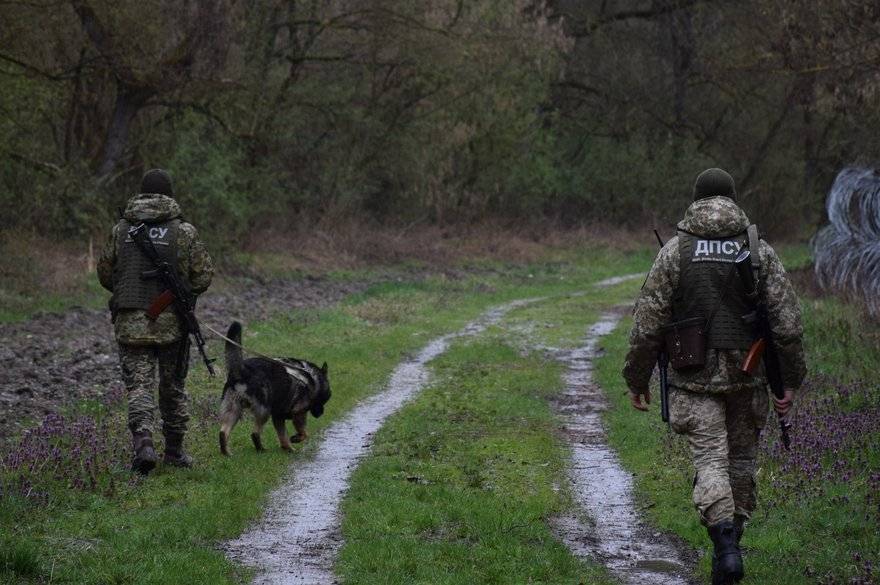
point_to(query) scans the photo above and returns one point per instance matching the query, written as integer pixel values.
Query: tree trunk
(128, 102)
(682, 36)
(761, 152)
(809, 126)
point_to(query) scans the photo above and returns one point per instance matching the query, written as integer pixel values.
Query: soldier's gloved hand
(784, 405)
(636, 400)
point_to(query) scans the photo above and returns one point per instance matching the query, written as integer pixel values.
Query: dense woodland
(444, 111)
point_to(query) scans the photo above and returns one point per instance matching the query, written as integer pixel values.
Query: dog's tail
(234, 356)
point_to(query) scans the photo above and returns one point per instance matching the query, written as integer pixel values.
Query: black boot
(727, 565)
(174, 454)
(145, 457)
(739, 522)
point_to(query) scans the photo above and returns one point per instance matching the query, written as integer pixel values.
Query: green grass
(17, 305)
(462, 481)
(795, 256)
(165, 529)
(840, 340)
(20, 557)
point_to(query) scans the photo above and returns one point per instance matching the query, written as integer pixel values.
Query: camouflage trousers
(139, 365)
(722, 432)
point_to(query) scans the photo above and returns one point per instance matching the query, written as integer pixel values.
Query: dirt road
(299, 536)
(297, 540)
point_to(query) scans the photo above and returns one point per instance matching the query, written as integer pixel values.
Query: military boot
(739, 523)
(145, 457)
(174, 454)
(727, 565)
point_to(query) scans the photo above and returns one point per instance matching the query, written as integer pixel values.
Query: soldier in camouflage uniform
(145, 344)
(718, 408)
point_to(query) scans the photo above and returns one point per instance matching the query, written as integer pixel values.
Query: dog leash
(244, 349)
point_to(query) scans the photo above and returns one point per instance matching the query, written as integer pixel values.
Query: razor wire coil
(847, 251)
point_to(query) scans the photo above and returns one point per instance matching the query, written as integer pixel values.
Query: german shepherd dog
(286, 388)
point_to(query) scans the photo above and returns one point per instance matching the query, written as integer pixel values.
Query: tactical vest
(706, 266)
(130, 289)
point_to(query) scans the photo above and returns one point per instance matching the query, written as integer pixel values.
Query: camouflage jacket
(194, 264)
(715, 217)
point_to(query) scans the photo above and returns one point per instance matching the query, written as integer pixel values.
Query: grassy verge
(795, 255)
(17, 304)
(70, 513)
(819, 512)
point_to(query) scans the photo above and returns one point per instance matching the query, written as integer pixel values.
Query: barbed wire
(847, 251)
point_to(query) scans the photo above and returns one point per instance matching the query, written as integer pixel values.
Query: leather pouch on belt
(685, 343)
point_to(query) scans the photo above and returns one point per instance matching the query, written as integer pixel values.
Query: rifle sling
(755, 247)
(145, 245)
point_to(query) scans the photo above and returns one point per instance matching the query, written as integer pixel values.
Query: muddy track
(615, 536)
(299, 536)
(58, 359)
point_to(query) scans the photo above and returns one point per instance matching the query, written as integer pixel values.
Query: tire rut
(617, 536)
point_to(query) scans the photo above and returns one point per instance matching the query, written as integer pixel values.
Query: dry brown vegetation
(347, 243)
(33, 263)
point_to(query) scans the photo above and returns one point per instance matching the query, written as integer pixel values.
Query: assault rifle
(175, 293)
(764, 345)
(663, 367)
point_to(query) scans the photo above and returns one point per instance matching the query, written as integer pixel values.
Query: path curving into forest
(299, 536)
(616, 536)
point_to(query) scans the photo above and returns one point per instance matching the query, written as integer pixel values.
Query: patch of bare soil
(57, 359)
(615, 534)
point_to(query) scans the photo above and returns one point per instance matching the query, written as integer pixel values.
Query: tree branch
(582, 87)
(46, 167)
(644, 14)
(202, 109)
(93, 27)
(761, 151)
(61, 76)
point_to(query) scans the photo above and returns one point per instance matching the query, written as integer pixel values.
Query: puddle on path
(602, 488)
(615, 280)
(299, 536)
